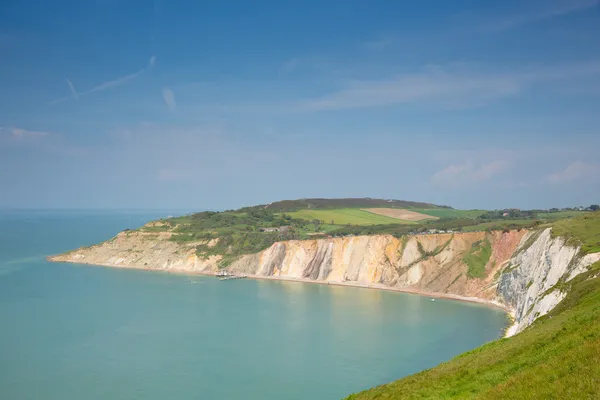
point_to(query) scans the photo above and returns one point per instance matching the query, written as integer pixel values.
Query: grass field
(344, 216)
(558, 357)
(560, 215)
(449, 213)
(583, 230)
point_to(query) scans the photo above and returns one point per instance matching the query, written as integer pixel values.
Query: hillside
(301, 204)
(558, 357)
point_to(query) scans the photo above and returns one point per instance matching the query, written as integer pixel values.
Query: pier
(226, 276)
(230, 277)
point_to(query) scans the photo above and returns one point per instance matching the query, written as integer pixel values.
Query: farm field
(399, 213)
(449, 212)
(345, 216)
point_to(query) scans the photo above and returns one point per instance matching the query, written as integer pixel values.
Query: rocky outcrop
(142, 250)
(520, 273)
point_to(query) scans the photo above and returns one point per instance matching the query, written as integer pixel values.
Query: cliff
(515, 269)
(529, 285)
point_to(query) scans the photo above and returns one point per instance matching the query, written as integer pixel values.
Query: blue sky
(197, 104)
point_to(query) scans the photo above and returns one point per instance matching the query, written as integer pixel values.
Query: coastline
(448, 296)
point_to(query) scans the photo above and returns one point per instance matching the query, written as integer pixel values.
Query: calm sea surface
(82, 332)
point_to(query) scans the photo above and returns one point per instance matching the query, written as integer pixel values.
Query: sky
(161, 104)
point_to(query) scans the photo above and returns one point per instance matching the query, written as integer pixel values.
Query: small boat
(432, 300)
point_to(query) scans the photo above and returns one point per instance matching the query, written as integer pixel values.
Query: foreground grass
(346, 216)
(556, 358)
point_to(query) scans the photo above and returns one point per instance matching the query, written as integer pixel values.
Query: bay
(71, 331)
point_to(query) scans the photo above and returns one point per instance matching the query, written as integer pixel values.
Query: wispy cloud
(449, 86)
(106, 85)
(462, 26)
(382, 42)
(114, 83)
(575, 171)
(544, 10)
(21, 134)
(73, 91)
(290, 65)
(169, 98)
(47, 142)
(467, 173)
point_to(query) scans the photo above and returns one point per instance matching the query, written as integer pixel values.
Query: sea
(72, 331)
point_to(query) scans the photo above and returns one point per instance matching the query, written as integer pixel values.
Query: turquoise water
(81, 332)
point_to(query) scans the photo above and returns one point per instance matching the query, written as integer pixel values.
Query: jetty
(226, 276)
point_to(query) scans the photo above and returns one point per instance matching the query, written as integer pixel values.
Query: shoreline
(447, 296)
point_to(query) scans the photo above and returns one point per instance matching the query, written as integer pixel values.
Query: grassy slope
(477, 258)
(583, 230)
(346, 216)
(557, 358)
(560, 215)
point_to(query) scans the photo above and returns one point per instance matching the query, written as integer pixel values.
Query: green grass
(477, 258)
(583, 230)
(449, 213)
(500, 224)
(346, 216)
(553, 216)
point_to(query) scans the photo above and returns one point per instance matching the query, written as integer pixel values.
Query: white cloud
(169, 98)
(467, 173)
(449, 86)
(574, 171)
(114, 83)
(106, 85)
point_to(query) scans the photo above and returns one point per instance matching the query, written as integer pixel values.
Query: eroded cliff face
(527, 285)
(521, 271)
(431, 263)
